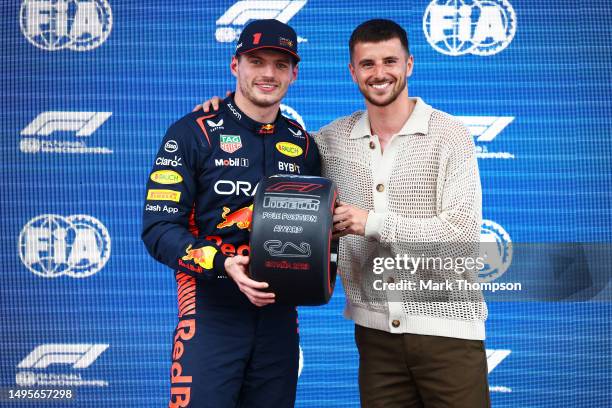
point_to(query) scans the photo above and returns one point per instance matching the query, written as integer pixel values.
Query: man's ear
(409, 65)
(294, 73)
(352, 71)
(234, 66)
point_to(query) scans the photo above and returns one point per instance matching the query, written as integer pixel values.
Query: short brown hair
(378, 30)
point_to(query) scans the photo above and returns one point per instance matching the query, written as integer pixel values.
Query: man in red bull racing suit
(232, 345)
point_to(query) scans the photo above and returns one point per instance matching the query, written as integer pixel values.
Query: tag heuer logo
(230, 143)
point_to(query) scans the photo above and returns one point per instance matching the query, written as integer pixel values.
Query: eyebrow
(285, 60)
(365, 60)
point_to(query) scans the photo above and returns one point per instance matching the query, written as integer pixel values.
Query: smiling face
(380, 70)
(263, 76)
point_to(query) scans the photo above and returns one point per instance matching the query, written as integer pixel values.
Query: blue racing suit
(227, 352)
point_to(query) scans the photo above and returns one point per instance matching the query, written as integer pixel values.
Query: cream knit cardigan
(430, 204)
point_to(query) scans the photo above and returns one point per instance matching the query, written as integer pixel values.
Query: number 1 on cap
(256, 38)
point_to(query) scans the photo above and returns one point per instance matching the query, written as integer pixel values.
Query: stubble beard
(255, 100)
(394, 95)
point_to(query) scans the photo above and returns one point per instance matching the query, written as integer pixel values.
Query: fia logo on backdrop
(292, 114)
(496, 249)
(477, 27)
(77, 246)
(77, 25)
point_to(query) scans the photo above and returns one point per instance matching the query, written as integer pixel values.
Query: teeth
(380, 86)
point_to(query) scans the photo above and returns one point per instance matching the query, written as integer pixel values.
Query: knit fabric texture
(429, 207)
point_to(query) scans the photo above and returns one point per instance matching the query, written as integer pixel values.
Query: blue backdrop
(90, 86)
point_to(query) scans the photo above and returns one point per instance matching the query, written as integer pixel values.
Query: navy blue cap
(271, 34)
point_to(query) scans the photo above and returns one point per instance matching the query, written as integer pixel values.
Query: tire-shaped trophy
(291, 238)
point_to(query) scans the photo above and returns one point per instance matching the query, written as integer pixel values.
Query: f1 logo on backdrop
(83, 123)
(494, 359)
(42, 134)
(484, 129)
(75, 355)
(77, 25)
(477, 27)
(34, 368)
(231, 23)
(77, 246)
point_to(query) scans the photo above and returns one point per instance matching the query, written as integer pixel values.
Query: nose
(268, 71)
(379, 71)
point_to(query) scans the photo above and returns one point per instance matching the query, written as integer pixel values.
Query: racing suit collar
(242, 119)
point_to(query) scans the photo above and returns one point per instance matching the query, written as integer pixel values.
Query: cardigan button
(372, 145)
(380, 188)
(395, 323)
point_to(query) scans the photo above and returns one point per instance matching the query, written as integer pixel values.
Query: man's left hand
(349, 219)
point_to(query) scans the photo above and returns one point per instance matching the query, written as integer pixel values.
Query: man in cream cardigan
(408, 182)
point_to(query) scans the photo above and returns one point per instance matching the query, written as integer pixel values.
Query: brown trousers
(417, 371)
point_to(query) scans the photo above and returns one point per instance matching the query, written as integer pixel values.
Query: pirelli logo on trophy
(291, 203)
